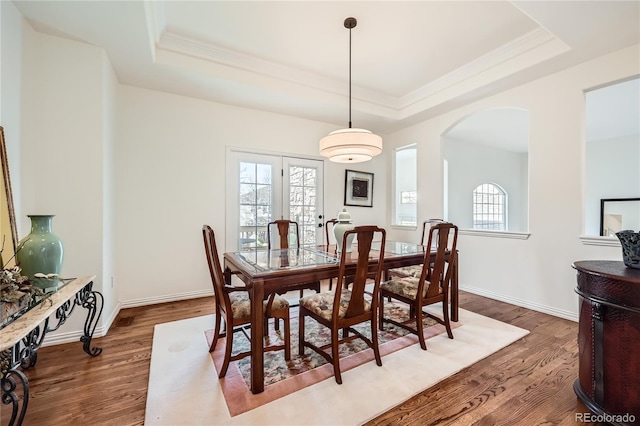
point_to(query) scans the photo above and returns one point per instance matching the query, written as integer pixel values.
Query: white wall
(132, 174)
(612, 171)
(66, 103)
(534, 272)
(470, 165)
(159, 164)
(11, 23)
(170, 158)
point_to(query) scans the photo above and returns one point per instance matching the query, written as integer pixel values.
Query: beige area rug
(184, 388)
(282, 378)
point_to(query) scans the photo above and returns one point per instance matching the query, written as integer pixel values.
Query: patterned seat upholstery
(414, 270)
(405, 287)
(241, 304)
(321, 304)
(233, 309)
(430, 286)
(406, 271)
(341, 309)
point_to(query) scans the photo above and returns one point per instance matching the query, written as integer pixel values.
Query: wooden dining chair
(330, 224)
(432, 286)
(286, 229)
(413, 270)
(233, 308)
(342, 308)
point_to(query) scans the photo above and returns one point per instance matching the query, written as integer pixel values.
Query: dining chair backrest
(426, 225)
(287, 230)
(329, 232)
(358, 279)
(443, 238)
(215, 269)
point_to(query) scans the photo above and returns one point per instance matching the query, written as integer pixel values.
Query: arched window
(489, 207)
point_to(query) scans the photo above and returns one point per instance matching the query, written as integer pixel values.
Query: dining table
(274, 271)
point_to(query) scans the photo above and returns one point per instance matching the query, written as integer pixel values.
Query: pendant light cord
(349, 77)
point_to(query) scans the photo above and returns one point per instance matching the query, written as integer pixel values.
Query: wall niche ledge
(495, 234)
(593, 240)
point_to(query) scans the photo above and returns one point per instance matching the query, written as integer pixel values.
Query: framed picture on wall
(358, 188)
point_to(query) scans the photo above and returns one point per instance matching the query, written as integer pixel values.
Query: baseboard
(571, 316)
(165, 299)
(74, 336)
(101, 331)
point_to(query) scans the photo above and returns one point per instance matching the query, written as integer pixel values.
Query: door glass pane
(302, 202)
(255, 204)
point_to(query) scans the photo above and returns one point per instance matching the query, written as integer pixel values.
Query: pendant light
(350, 145)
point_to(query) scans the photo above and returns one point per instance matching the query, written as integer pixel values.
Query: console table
(21, 339)
(609, 340)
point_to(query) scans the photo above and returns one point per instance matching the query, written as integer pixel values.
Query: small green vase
(40, 251)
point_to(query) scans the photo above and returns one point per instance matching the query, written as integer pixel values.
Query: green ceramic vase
(40, 251)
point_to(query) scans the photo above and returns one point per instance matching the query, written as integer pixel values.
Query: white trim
(592, 240)
(571, 316)
(495, 234)
(404, 227)
(74, 336)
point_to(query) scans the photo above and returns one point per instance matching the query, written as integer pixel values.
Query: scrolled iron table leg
(93, 301)
(9, 384)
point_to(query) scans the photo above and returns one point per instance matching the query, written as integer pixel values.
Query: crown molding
(514, 49)
(175, 49)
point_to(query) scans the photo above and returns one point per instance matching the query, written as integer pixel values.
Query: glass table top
(273, 260)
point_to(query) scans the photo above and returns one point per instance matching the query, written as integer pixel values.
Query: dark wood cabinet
(609, 340)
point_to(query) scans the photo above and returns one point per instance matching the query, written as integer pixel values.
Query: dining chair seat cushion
(241, 304)
(321, 304)
(406, 287)
(406, 271)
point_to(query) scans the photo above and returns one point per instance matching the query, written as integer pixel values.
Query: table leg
(454, 290)
(257, 349)
(24, 354)
(11, 380)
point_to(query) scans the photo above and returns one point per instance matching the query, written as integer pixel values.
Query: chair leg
(287, 337)
(374, 339)
(419, 327)
(381, 311)
(227, 353)
(301, 333)
(330, 283)
(445, 316)
(336, 356)
(216, 328)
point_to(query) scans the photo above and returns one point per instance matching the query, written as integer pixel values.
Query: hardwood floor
(529, 382)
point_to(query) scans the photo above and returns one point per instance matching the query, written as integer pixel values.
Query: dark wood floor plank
(529, 382)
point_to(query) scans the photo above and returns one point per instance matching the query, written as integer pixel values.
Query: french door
(264, 187)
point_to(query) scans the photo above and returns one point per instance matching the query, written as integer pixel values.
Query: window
(405, 206)
(265, 187)
(489, 207)
(487, 146)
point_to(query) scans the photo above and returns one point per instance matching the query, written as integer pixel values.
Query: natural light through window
(406, 195)
(302, 202)
(255, 204)
(489, 207)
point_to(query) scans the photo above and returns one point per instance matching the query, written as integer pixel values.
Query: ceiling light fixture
(350, 145)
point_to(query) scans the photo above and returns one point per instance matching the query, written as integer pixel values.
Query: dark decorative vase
(630, 242)
(40, 252)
